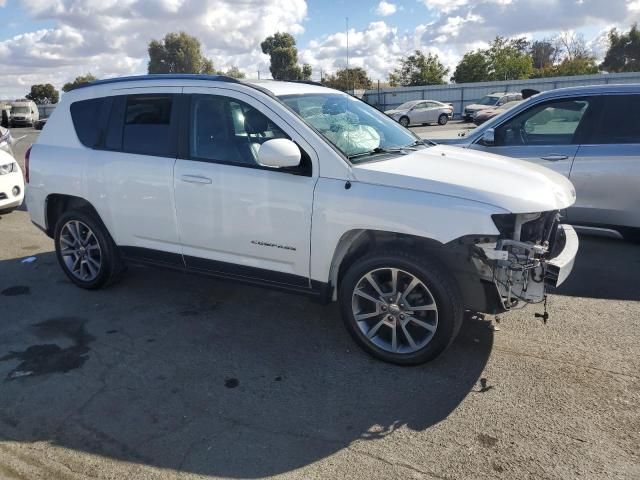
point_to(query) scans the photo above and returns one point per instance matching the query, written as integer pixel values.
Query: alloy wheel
(394, 310)
(80, 250)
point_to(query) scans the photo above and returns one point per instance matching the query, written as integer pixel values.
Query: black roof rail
(161, 76)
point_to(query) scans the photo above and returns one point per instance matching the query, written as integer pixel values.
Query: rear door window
(149, 125)
(619, 122)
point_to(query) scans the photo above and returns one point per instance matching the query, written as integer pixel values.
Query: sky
(53, 41)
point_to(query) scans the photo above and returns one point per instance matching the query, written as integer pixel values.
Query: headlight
(8, 168)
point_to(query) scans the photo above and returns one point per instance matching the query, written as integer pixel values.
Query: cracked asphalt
(167, 376)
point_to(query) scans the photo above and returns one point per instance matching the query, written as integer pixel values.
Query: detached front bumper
(560, 266)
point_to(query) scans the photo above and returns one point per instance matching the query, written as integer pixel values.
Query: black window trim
(305, 168)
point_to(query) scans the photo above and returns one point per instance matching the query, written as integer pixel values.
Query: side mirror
(489, 137)
(279, 153)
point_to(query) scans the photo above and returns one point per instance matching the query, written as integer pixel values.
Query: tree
(178, 53)
(44, 94)
(418, 69)
(623, 54)
(508, 59)
(281, 47)
(474, 67)
(543, 53)
(234, 72)
(306, 72)
(81, 80)
(348, 79)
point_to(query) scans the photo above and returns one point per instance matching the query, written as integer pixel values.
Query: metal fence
(461, 95)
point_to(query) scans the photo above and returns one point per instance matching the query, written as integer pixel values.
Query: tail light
(27, 155)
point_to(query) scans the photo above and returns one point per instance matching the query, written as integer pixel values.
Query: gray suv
(589, 134)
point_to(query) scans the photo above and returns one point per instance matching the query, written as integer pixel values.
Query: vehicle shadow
(607, 268)
(205, 376)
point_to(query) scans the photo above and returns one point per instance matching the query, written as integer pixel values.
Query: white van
(24, 113)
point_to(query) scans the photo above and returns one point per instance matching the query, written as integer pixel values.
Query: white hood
(513, 185)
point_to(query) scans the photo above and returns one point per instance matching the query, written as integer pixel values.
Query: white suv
(301, 188)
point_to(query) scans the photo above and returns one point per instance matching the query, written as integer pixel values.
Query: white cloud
(384, 9)
(110, 37)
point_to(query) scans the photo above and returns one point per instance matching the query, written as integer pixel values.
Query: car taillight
(27, 154)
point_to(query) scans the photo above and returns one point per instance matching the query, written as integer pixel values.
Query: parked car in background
(420, 112)
(6, 140)
(5, 113)
(45, 112)
(590, 135)
(11, 183)
(302, 188)
(482, 116)
(491, 100)
(24, 113)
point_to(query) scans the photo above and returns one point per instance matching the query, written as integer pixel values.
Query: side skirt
(320, 291)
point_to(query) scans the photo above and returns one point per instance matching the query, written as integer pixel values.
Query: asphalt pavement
(166, 375)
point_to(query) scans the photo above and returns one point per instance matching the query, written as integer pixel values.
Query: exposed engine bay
(520, 262)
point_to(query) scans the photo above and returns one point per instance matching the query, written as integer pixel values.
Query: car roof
(273, 87)
(591, 90)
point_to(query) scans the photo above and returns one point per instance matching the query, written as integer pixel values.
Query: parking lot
(166, 375)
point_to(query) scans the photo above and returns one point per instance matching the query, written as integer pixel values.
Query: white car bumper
(560, 266)
(11, 190)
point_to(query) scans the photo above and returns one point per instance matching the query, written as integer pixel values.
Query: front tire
(404, 121)
(400, 308)
(85, 250)
(443, 119)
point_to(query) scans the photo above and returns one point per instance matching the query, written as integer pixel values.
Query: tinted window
(147, 125)
(85, 115)
(620, 121)
(228, 130)
(551, 123)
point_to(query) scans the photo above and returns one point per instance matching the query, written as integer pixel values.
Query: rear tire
(443, 119)
(404, 121)
(425, 308)
(85, 250)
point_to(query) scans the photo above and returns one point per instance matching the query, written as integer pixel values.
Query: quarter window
(229, 131)
(552, 123)
(86, 116)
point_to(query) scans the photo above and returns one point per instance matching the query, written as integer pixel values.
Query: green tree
(508, 60)
(623, 54)
(81, 80)
(306, 72)
(281, 47)
(474, 67)
(234, 72)
(44, 94)
(544, 54)
(348, 79)
(178, 53)
(419, 69)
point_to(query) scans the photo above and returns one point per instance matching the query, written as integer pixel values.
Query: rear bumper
(560, 266)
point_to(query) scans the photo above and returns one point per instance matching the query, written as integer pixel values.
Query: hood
(393, 112)
(513, 185)
(476, 106)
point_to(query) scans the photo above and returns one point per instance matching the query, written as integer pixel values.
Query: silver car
(589, 134)
(418, 112)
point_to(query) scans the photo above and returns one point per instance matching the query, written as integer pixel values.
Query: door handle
(554, 157)
(195, 179)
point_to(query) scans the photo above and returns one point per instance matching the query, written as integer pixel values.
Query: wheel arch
(454, 256)
(56, 204)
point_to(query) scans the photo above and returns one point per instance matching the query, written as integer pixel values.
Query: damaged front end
(533, 252)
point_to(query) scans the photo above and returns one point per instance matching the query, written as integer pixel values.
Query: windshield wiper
(378, 150)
